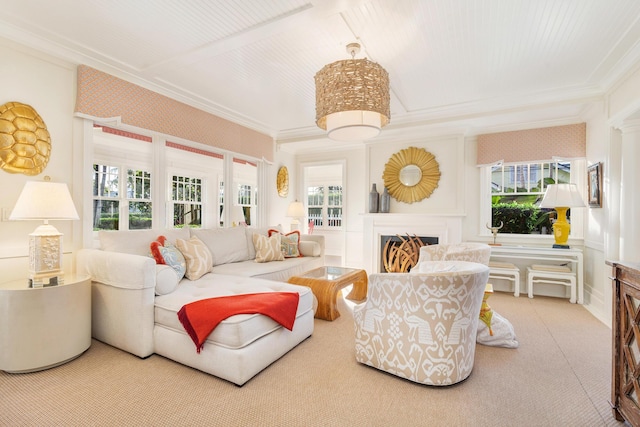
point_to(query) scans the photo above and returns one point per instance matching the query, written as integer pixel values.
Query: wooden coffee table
(326, 282)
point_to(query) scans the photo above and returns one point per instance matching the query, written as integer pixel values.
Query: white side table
(44, 327)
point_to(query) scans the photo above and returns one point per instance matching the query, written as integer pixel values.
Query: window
(107, 198)
(186, 198)
(516, 191)
(324, 205)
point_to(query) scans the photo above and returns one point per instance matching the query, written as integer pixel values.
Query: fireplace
(399, 253)
(446, 228)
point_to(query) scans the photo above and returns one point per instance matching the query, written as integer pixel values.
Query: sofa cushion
(166, 279)
(268, 248)
(226, 244)
(137, 242)
(197, 255)
(237, 331)
(289, 243)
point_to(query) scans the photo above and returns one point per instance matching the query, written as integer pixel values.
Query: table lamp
(561, 197)
(44, 200)
(295, 211)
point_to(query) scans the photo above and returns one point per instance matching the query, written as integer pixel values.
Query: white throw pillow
(310, 248)
(166, 279)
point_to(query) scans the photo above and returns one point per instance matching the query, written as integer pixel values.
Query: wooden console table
(625, 381)
(572, 257)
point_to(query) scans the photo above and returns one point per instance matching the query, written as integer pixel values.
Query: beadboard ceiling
(465, 64)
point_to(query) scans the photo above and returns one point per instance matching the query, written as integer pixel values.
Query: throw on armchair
(422, 325)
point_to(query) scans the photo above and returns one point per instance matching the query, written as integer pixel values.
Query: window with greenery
(324, 205)
(186, 198)
(518, 189)
(107, 198)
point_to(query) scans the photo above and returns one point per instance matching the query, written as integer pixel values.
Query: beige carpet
(560, 376)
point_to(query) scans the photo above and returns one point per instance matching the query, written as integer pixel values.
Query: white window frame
(578, 215)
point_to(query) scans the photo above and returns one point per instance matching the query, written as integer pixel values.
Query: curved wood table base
(326, 291)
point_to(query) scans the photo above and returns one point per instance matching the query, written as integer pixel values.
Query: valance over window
(102, 95)
(522, 146)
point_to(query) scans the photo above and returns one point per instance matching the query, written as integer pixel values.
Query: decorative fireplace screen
(400, 253)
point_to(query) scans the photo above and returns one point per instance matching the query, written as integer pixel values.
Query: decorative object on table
(385, 201)
(237, 216)
(494, 231)
(44, 200)
(295, 211)
(402, 255)
(374, 199)
(412, 174)
(26, 144)
(594, 179)
(312, 224)
(352, 98)
(561, 197)
(486, 313)
(282, 182)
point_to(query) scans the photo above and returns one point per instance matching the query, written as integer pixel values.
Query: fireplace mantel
(446, 227)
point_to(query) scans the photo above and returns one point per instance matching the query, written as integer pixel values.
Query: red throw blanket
(200, 318)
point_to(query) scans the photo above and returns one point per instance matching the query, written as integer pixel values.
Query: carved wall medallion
(282, 182)
(25, 144)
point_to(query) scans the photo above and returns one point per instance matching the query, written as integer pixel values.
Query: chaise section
(240, 346)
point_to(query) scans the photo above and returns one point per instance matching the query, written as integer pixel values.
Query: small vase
(385, 201)
(373, 199)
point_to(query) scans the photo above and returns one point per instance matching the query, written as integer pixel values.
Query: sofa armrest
(122, 298)
(117, 269)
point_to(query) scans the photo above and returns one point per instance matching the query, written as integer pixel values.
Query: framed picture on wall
(594, 178)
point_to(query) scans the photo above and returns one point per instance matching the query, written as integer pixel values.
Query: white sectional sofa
(135, 301)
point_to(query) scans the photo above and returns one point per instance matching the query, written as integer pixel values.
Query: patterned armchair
(466, 251)
(422, 325)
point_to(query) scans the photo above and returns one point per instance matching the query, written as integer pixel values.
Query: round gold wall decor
(411, 175)
(282, 181)
(25, 144)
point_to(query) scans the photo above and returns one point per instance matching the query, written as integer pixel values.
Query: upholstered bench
(552, 274)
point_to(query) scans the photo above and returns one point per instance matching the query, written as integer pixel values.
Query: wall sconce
(44, 200)
(561, 197)
(295, 211)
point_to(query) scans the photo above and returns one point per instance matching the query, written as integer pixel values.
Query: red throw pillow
(155, 250)
(289, 243)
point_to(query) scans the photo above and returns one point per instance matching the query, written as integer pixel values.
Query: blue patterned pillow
(290, 243)
(166, 253)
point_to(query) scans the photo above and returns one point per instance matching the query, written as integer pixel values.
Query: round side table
(44, 327)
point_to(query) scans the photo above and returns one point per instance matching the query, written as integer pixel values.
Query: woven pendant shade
(352, 98)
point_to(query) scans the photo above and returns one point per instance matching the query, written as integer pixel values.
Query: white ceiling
(468, 65)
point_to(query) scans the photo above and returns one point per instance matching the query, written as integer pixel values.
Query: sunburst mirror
(411, 175)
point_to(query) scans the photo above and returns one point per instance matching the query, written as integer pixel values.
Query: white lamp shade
(353, 125)
(295, 210)
(563, 196)
(41, 200)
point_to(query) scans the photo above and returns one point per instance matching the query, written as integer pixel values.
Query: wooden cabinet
(625, 381)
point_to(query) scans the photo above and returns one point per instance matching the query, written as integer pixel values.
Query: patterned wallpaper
(105, 96)
(567, 141)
